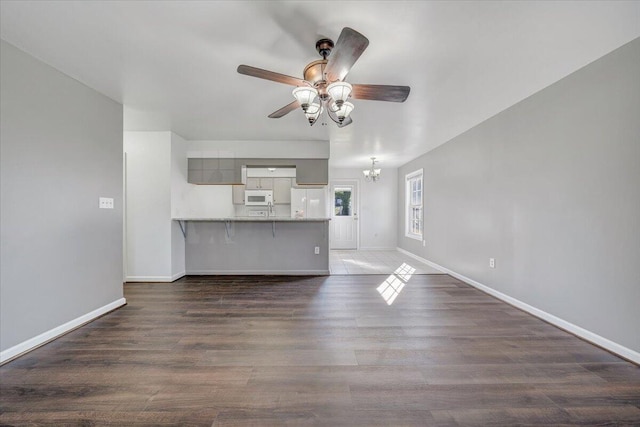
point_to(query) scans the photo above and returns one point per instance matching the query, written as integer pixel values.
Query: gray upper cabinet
(195, 164)
(214, 171)
(312, 171)
(229, 171)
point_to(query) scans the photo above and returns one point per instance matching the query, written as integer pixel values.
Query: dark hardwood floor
(283, 351)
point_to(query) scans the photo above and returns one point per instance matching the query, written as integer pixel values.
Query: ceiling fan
(324, 87)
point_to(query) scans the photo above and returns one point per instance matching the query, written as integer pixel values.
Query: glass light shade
(343, 111)
(314, 107)
(305, 96)
(339, 91)
(313, 112)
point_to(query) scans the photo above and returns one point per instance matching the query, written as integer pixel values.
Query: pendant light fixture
(373, 174)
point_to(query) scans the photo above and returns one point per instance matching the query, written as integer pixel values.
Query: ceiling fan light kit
(324, 87)
(343, 111)
(339, 92)
(305, 96)
(313, 112)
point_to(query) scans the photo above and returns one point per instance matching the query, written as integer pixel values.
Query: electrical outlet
(105, 203)
(492, 262)
(424, 243)
(316, 250)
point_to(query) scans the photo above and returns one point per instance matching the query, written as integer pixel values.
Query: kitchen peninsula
(256, 245)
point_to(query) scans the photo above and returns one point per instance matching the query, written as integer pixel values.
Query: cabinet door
(266, 183)
(312, 171)
(238, 194)
(281, 191)
(253, 184)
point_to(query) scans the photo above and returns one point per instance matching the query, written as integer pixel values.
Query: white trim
(423, 260)
(356, 209)
(178, 276)
(370, 248)
(164, 279)
(585, 334)
(413, 174)
(58, 331)
(260, 272)
(407, 203)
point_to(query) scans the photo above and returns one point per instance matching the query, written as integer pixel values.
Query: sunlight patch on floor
(393, 285)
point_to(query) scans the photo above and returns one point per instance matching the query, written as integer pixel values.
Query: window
(413, 217)
(342, 201)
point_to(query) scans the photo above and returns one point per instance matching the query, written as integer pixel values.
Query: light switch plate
(106, 203)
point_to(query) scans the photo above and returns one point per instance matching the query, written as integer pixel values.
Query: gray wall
(550, 188)
(61, 149)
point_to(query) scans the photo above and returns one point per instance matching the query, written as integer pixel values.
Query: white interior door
(344, 215)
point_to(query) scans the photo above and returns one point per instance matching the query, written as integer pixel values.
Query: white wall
(550, 188)
(378, 206)
(157, 191)
(178, 187)
(148, 193)
(60, 150)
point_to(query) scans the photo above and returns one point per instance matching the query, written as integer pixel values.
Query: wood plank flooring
(327, 351)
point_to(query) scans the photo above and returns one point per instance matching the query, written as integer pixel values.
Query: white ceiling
(173, 64)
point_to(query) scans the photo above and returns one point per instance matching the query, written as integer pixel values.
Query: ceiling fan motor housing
(314, 74)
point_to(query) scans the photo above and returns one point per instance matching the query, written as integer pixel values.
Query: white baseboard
(585, 334)
(160, 279)
(376, 248)
(54, 333)
(425, 261)
(259, 273)
(178, 276)
(163, 279)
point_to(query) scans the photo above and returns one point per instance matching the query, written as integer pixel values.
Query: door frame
(356, 209)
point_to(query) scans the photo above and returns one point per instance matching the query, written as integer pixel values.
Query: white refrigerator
(309, 203)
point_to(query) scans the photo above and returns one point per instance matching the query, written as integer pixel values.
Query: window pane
(342, 202)
(413, 211)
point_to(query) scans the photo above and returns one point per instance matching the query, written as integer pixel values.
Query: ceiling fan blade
(285, 110)
(380, 92)
(270, 75)
(346, 52)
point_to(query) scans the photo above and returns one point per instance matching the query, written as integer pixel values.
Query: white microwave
(258, 197)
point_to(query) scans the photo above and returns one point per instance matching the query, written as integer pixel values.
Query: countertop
(255, 219)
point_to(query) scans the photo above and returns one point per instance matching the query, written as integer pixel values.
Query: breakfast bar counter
(256, 245)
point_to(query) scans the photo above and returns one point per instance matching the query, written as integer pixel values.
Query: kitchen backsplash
(279, 210)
